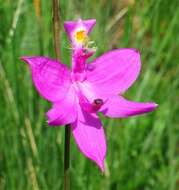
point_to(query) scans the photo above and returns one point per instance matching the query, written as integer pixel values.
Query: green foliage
(142, 151)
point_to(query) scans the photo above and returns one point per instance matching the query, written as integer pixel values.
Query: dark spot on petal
(98, 101)
(136, 50)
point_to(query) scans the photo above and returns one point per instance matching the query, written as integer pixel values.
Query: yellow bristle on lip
(80, 35)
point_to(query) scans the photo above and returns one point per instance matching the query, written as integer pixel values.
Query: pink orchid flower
(77, 95)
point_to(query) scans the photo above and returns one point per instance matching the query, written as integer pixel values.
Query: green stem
(56, 34)
(38, 12)
(56, 28)
(67, 158)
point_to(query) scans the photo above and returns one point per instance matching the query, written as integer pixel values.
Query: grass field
(143, 152)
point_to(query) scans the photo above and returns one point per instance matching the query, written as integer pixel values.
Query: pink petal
(89, 24)
(65, 111)
(70, 26)
(51, 78)
(89, 135)
(115, 71)
(117, 106)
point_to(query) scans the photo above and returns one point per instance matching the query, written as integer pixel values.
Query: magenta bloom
(77, 95)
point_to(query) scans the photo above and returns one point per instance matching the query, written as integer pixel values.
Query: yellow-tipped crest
(80, 36)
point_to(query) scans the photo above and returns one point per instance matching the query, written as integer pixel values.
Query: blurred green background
(143, 151)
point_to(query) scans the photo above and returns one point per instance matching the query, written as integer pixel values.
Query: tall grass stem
(56, 30)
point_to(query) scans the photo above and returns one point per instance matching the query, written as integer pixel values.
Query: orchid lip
(80, 35)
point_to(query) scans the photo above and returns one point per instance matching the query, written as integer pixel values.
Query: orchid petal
(71, 26)
(51, 78)
(115, 71)
(89, 136)
(117, 106)
(65, 111)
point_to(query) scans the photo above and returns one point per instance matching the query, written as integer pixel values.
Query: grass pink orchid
(77, 95)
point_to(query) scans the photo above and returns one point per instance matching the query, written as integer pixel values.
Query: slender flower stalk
(56, 32)
(67, 158)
